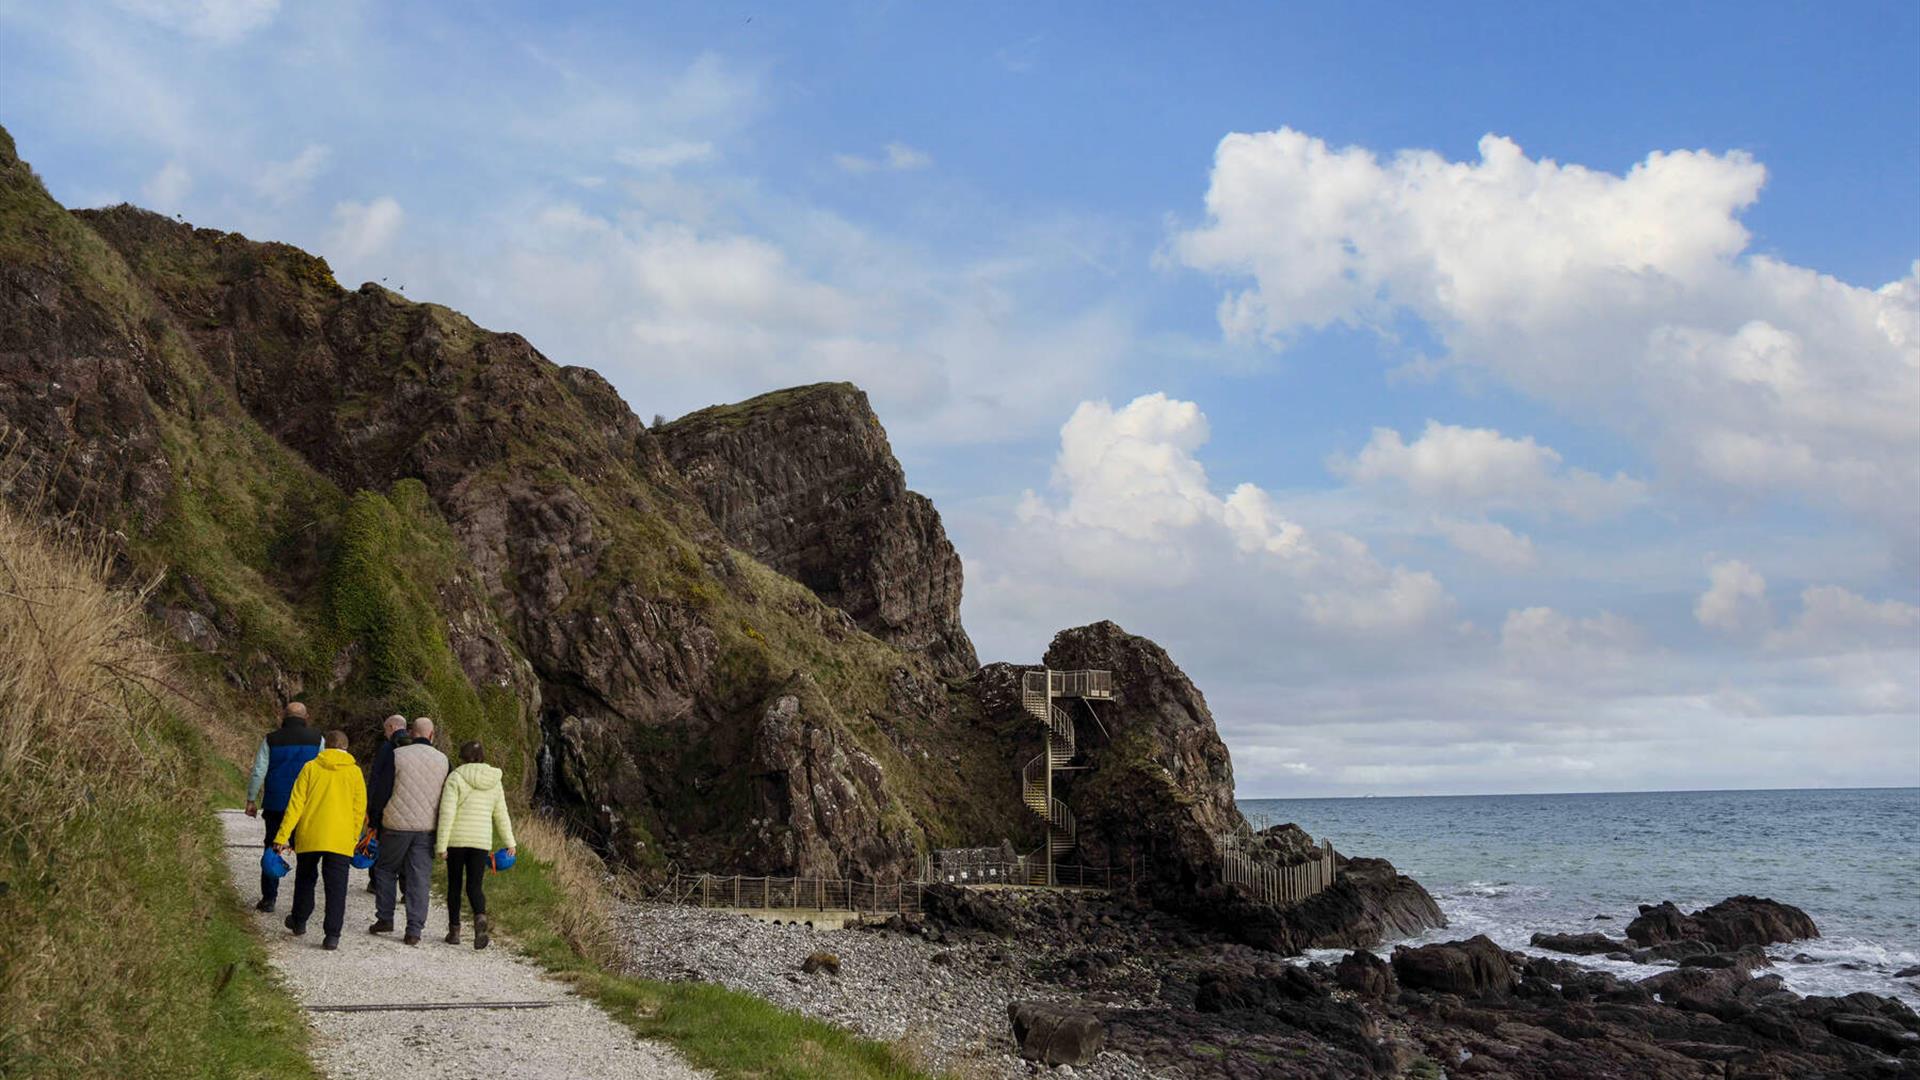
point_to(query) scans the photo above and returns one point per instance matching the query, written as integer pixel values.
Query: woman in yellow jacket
(324, 814)
(473, 819)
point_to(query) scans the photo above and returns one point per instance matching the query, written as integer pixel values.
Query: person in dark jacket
(380, 782)
(276, 765)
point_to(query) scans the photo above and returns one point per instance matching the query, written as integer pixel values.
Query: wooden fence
(1281, 886)
(797, 894)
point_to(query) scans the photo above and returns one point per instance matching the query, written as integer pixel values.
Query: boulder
(1579, 944)
(1054, 1034)
(1472, 967)
(1367, 975)
(1729, 924)
(818, 962)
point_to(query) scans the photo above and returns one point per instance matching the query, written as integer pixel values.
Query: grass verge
(555, 906)
(123, 949)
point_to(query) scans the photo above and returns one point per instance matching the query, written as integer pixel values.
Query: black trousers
(270, 885)
(470, 864)
(331, 869)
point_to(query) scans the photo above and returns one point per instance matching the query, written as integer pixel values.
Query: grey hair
(422, 727)
(393, 723)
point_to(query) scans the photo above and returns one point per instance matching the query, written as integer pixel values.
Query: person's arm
(257, 783)
(296, 805)
(449, 806)
(360, 791)
(502, 827)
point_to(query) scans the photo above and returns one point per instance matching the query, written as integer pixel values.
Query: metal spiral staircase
(1038, 692)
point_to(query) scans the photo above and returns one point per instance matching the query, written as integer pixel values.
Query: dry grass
(122, 950)
(584, 916)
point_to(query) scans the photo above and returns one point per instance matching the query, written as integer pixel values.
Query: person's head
(471, 752)
(295, 711)
(336, 739)
(393, 723)
(422, 729)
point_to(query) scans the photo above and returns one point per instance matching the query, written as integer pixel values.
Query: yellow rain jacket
(328, 805)
(473, 810)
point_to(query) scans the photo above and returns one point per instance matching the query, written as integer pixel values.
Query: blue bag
(273, 864)
(502, 860)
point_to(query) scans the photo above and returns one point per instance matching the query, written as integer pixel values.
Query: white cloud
(1630, 298)
(283, 181)
(1134, 505)
(361, 230)
(1545, 641)
(1836, 620)
(219, 21)
(166, 188)
(1488, 541)
(1735, 600)
(1479, 468)
(896, 157)
(670, 155)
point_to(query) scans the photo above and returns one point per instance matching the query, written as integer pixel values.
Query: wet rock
(1367, 975)
(1579, 944)
(1055, 1035)
(1729, 924)
(1469, 968)
(1875, 1031)
(1905, 973)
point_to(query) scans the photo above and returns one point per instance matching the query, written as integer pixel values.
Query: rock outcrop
(1469, 968)
(1729, 924)
(805, 481)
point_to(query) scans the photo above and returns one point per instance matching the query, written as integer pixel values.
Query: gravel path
(569, 1039)
(951, 1011)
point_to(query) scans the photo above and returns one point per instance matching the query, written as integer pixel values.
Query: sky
(1501, 398)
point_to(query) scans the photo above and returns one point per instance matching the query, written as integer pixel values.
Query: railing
(1277, 884)
(1080, 684)
(793, 894)
(1021, 871)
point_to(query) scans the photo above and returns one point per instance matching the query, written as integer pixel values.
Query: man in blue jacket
(276, 765)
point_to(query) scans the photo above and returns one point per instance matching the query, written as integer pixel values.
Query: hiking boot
(264, 905)
(480, 931)
(453, 935)
(410, 939)
(384, 926)
(330, 944)
(297, 930)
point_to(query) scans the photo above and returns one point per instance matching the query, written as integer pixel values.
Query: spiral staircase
(1039, 693)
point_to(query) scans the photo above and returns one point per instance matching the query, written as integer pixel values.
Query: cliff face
(804, 481)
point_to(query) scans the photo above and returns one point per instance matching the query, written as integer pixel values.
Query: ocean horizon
(1509, 866)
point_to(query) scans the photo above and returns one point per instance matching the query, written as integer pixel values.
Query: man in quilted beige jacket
(407, 828)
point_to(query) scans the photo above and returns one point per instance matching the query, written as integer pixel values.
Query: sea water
(1508, 866)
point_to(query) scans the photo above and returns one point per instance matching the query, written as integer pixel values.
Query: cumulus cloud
(1632, 298)
(1735, 600)
(1488, 541)
(896, 157)
(1837, 620)
(1542, 640)
(1133, 504)
(1479, 468)
(361, 230)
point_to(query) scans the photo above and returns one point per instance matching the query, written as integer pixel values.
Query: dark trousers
(470, 864)
(317, 866)
(270, 885)
(407, 856)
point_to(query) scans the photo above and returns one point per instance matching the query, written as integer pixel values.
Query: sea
(1508, 866)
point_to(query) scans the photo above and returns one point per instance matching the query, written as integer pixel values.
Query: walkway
(563, 1037)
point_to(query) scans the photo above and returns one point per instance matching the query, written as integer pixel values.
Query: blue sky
(1581, 457)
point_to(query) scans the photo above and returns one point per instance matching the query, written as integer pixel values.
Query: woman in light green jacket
(473, 820)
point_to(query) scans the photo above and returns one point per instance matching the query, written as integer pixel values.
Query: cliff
(804, 481)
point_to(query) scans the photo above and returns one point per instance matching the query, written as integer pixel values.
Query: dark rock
(1367, 975)
(1053, 1035)
(1472, 967)
(1904, 973)
(1878, 1032)
(1743, 960)
(943, 958)
(962, 908)
(1672, 951)
(1729, 924)
(1578, 944)
(820, 961)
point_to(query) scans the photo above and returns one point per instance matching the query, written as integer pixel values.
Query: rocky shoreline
(1173, 998)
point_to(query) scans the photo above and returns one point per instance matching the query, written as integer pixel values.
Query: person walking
(277, 763)
(393, 735)
(324, 815)
(473, 818)
(408, 831)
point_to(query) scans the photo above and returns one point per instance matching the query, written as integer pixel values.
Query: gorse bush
(122, 948)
